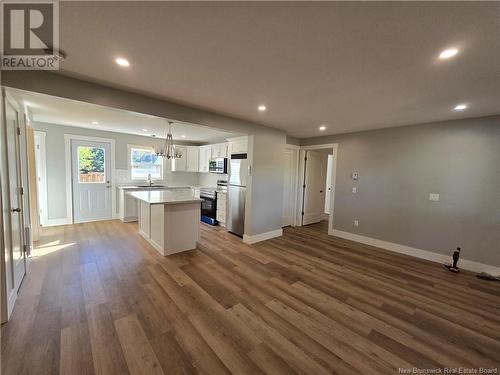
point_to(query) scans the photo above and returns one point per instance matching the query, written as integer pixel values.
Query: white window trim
(129, 163)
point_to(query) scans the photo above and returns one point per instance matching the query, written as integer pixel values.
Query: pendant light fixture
(169, 151)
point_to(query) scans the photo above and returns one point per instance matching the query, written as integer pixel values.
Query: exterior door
(15, 192)
(91, 178)
(314, 184)
(328, 187)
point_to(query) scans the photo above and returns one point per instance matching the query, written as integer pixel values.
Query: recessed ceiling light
(460, 107)
(144, 130)
(183, 136)
(262, 108)
(95, 123)
(322, 128)
(122, 62)
(447, 53)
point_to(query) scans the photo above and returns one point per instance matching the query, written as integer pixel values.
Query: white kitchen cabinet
(205, 154)
(238, 145)
(127, 206)
(192, 159)
(219, 150)
(179, 164)
(221, 208)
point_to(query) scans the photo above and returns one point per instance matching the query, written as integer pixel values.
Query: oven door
(208, 210)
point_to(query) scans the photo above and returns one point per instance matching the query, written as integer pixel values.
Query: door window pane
(144, 161)
(91, 164)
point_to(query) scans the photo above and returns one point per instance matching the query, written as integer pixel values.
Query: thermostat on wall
(354, 175)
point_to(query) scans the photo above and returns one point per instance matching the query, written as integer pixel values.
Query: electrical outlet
(356, 223)
(354, 189)
(354, 176)
(434, 197)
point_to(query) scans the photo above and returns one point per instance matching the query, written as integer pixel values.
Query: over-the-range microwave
(217, 165)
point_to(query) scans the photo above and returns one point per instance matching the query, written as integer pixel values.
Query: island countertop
(175, 196)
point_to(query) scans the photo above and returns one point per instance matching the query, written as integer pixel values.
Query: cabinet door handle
(16, 210)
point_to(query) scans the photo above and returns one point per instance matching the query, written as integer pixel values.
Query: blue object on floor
(208, 220)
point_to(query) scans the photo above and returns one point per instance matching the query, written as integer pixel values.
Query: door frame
(69, 184)
(9, 297)
(41, 170)
(295, 181)
(300, 185)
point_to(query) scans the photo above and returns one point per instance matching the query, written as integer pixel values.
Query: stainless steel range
(208, 205)
(209, 202)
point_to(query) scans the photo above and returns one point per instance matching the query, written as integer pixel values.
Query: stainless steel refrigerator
(238, 172)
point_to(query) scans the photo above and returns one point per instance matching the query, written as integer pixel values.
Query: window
(143, 161)
(90, 164)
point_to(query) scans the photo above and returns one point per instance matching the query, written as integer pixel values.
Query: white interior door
(313, 191)
(91, 178)
(16, 207)
(288, 189)
(328, 187)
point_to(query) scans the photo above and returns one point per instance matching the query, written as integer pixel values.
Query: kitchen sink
(152, 186)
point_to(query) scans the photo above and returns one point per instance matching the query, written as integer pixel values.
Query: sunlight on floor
(50, 247)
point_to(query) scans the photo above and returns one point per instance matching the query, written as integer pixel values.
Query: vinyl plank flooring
(140, 357)
(98, 299)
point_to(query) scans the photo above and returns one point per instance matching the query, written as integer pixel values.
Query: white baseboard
(262, 236)
(56, 222)
(129, 219)
(418, 253)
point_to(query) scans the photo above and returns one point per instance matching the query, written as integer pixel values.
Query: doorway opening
(317, 185)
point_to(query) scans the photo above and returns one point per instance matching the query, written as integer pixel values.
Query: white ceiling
(350, 65)
(59, 111)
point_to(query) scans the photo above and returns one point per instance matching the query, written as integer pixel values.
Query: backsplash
(210, 179)
(122, 177)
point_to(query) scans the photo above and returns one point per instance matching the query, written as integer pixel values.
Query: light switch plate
(434, 197)
(354, 189)
(356, 223)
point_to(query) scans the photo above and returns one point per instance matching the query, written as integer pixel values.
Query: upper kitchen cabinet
(192, 159)
(238, 145)
(179, 164)
(219, 150)
(205, 156)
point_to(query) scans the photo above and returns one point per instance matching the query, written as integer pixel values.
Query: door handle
(16, 210)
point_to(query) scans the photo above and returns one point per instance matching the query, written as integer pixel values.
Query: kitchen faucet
(149, 180)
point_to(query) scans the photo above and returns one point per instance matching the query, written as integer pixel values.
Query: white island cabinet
(169, 219)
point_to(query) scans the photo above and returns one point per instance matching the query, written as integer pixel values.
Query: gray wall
(56, 164)
(399, 167)
(264, 202)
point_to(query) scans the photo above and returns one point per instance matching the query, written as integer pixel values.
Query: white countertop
(175, 196)
(158, 187)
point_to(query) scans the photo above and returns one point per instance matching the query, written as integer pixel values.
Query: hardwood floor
(99, 300)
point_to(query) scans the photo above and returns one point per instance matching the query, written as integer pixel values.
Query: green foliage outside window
(91, 159)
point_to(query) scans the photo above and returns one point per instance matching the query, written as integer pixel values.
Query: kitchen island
(169, 219)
